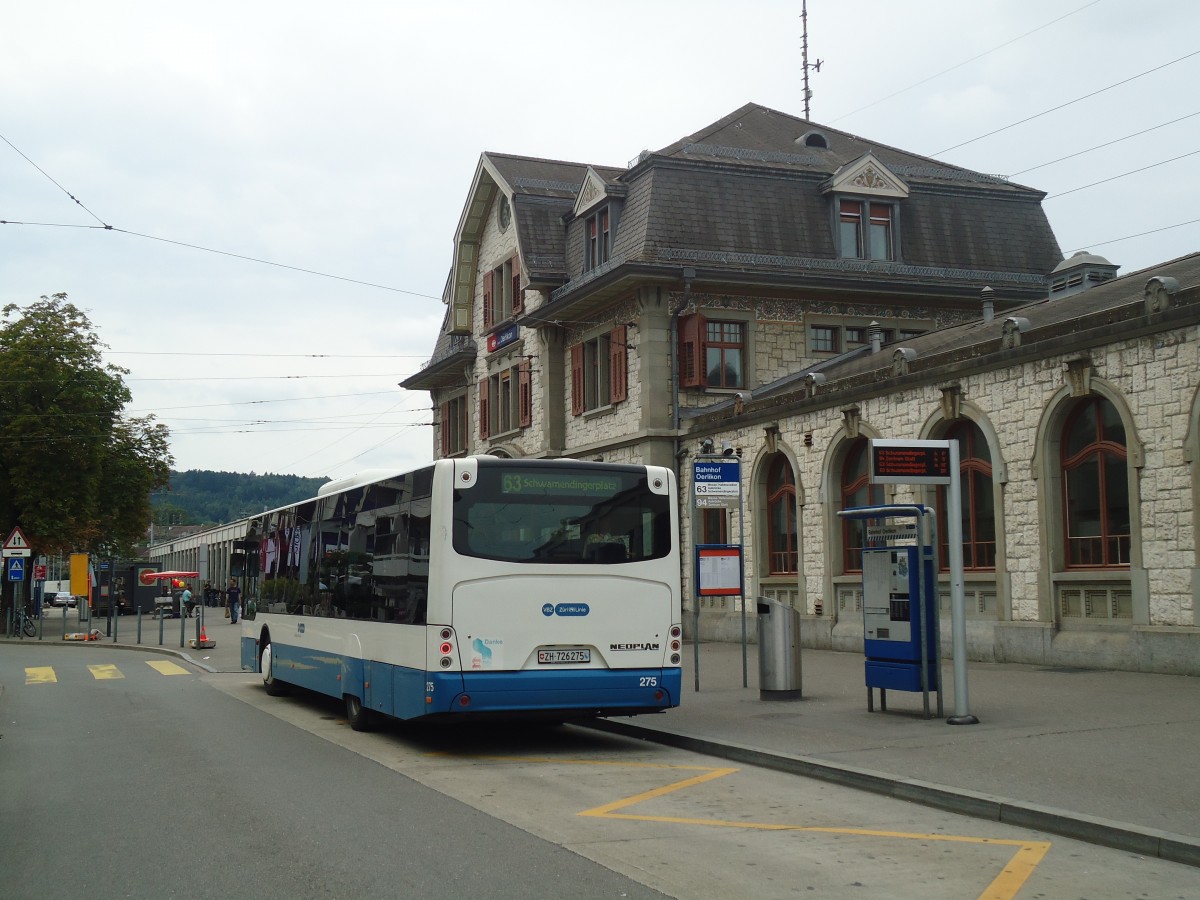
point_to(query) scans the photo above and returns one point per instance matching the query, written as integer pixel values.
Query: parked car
(62, 598)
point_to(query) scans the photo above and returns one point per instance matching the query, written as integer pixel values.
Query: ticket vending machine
(900, 619)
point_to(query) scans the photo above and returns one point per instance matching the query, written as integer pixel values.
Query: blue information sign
(718, 482)
(16, 569)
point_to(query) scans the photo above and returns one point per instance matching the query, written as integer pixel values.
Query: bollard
(64, 623)
(139, 639)
(182, 628)
(161, 626)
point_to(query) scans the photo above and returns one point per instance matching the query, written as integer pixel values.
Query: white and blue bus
(475, 586)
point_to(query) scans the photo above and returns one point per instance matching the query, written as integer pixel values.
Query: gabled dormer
(865, 199)
(598, 207)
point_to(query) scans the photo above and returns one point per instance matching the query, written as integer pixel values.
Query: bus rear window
(561, 515)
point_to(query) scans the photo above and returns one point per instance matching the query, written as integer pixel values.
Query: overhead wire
(104, 226)
(1105, 144)
(1130, 237)
(963, 63)
(1086, 96)
(1122, 175)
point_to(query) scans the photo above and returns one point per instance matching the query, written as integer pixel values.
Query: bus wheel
(357, 715)
(274, 686)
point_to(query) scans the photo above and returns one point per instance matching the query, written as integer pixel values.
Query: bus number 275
(649, 681)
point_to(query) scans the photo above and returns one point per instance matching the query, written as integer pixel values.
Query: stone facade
(940, 333)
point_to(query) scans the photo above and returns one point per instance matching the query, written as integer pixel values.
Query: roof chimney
(875, 333)
(987, 296)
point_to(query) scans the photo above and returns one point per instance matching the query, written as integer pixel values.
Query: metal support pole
(962, 710)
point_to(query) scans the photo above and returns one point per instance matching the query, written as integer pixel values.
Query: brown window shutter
(577, 379)
(525, 392)
(445, 416)
(487, 299)
(617, 365)
(483, 409)
(691, 351)
(518, 295)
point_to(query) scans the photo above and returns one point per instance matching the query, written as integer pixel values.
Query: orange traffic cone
(203, 643)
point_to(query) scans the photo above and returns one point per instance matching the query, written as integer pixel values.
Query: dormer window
(865, 229)
(865, 198)
(598, 239)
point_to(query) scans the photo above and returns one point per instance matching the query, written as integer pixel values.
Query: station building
(787, 291)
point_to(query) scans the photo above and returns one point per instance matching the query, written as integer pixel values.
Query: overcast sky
(342, 139)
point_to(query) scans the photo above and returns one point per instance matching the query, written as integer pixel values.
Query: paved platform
(1107, 757)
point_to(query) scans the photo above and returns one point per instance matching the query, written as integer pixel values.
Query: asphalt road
(134, 774)
(152, 784)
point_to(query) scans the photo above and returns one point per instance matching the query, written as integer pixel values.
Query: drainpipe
(688, 274)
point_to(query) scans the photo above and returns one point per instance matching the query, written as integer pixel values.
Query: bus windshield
(560, 514)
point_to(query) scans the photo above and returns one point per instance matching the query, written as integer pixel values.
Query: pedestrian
(186, 600)
(234, 595)
(210, 595)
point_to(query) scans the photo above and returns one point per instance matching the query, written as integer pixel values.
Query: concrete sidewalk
(1106, 757)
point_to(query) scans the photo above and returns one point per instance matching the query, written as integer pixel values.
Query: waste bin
(778, 651)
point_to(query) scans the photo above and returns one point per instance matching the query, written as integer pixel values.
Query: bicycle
(26, 623)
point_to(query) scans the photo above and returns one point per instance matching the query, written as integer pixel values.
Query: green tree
(75, 472)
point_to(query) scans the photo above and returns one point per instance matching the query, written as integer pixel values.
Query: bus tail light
(676, 631)
(674, 659)
(464, 700)
(446, 662)
(446, 648)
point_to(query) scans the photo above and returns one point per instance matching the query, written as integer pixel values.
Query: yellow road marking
(1017, 872)
(40, 675)
(166, 667)
(1003, 887)
(105, 672)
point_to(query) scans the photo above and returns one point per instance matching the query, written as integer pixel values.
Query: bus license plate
(551, 657)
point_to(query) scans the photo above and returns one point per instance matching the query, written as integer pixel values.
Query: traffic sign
(16, 540)
(39, 573)
(9, 553)
(16, 569)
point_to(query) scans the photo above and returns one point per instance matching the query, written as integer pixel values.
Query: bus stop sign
(16, 568)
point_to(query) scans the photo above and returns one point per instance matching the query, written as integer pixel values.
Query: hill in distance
(200, 497)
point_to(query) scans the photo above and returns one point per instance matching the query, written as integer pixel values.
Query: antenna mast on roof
(816, 67)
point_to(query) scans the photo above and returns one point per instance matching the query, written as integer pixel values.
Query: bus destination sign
(566, 484)
(910, 462)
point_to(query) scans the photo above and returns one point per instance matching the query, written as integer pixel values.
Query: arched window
(978, 506)
(857, 490)
(1095, 486)
(782, 548)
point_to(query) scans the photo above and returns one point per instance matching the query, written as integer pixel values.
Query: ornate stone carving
(851, 421)
(1079, 376)
(1159, 291)
(951, 401)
